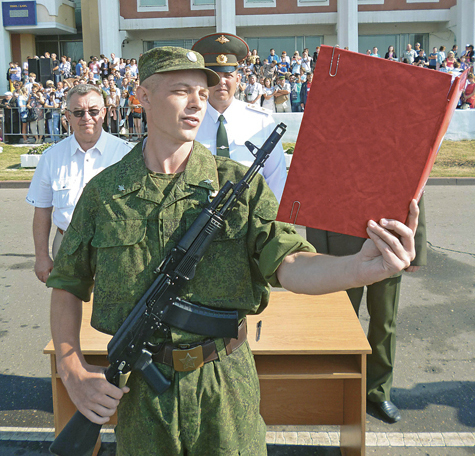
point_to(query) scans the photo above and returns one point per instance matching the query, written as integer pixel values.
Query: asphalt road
(435, 374)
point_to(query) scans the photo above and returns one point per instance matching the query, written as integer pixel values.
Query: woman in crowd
(469, 93)
(268, 95)
(240, 88)
(306, 62)
(136, 107)
(22, 102)
(53, 115)
(449, 63)
(391, 54)
(122, 67)
(112, 105)
(257, 66)
(35, 104)
(253, 57)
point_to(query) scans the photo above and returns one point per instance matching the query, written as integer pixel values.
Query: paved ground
(434, 377)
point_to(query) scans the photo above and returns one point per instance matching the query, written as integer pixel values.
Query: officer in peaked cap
(222, 51)
(228, 122)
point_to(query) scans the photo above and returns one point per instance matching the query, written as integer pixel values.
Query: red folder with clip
(368, 139)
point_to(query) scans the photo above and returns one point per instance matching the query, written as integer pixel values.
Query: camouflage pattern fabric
(125, 222)
(128, 219)
(170, 58)
(210, 411)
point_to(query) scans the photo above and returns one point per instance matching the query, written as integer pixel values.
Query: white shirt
(65, 169)
(253, 91)
(244, 122)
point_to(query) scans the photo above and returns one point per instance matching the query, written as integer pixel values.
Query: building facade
(130, 27)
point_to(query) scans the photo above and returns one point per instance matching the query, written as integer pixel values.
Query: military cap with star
(170, 58)
(222, 51)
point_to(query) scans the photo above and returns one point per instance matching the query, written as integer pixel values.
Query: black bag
(32, 115)
(48, 114)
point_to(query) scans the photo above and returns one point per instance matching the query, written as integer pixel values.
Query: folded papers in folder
(368, 139)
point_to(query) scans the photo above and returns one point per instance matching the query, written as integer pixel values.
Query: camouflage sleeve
(270, 241)
(74, 266)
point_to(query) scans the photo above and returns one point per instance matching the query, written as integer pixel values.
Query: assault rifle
(161, 307)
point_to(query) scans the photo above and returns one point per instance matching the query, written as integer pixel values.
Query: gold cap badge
(222, 39)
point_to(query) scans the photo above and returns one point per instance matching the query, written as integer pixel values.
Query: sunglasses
(82, 113)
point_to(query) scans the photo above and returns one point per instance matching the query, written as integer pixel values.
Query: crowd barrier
(461, 127)
(129, 125)
(51, 124)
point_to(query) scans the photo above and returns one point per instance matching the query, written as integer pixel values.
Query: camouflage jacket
(129, 218)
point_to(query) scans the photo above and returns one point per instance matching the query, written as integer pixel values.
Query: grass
(10, 168)
(455, 159)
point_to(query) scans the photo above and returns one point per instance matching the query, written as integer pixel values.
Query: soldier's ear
(143, 96)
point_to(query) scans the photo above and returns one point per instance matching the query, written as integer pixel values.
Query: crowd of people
(278, 83)
(33, 111)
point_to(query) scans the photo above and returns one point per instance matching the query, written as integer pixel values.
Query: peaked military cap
(222, 51)
(169, 58)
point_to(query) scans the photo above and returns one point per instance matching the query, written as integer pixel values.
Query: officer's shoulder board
(257, 108)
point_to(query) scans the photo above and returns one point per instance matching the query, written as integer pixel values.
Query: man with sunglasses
(66, 168)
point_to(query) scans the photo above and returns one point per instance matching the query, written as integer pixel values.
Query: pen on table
(258, 330)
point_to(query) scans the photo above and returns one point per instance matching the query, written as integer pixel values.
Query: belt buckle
(188, 360)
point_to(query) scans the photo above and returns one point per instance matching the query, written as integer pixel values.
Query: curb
(431, 181)
(294, 438)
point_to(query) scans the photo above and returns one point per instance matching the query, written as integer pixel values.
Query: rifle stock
(161, 307)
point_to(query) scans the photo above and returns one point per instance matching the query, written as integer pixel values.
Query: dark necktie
(222, 145)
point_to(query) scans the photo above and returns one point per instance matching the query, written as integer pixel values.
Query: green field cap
(222, 51)
(169, 58)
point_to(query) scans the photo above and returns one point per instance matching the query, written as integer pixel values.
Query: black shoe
(388, 411)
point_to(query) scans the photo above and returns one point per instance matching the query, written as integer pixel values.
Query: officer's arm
(389, 250)
(41, 231)
(91, 393)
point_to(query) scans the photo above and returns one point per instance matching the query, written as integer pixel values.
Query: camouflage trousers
(213, 410)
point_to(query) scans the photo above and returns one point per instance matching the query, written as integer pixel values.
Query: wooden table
(311, 361)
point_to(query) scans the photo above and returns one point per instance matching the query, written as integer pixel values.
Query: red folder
(368, 139)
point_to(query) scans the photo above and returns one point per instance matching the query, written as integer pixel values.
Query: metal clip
(296, 213)
(331, 64)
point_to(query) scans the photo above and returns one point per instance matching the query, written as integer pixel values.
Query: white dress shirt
(244, 122)
(65, 169)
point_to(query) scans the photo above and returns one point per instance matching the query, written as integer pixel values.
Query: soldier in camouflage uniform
(128, 219)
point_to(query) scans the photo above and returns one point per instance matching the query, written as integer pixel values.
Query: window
(313, 2)
(370, 2)
(259, 3)
(152, 5)
(289, 44)
(153, 2)
(187, 44)
(202, 4)
(382, 42)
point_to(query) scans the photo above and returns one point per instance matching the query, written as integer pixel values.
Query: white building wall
(109, 33)
(347, 24)
(465, 22)
(5, 55)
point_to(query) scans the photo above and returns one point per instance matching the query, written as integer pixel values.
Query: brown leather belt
(61, 231)
(185, 358)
